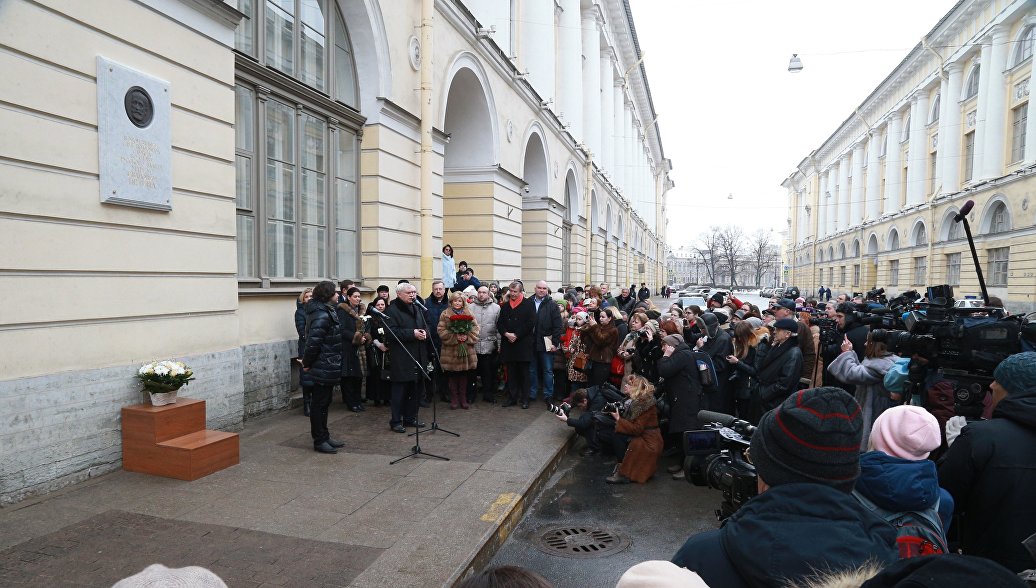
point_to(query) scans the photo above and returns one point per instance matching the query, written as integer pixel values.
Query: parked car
(686, 301)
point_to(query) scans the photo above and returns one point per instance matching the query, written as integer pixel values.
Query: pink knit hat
(907, 432)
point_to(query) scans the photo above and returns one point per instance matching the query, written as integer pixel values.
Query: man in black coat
(643, 293)
(849, 325)
(990, 469)
(625, 302)
(548, 324)
(322, 361)
(718, 344)
(805, 518)
(435, 304)
(408, 323)
(517, 327)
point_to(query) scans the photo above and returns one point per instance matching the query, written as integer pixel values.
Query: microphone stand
(416, 449)
(435, 397)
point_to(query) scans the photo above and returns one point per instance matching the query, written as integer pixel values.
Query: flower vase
(162, 398)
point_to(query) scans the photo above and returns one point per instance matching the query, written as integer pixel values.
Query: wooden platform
(172, 441)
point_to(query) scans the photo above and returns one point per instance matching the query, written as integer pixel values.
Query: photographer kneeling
(807, 457)
(638, 431)
(584, 423)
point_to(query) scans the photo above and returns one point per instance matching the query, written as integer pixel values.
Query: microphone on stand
(418, 302)
(379, 313)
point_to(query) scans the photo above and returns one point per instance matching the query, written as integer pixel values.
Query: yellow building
(174, 172)
(874, 205)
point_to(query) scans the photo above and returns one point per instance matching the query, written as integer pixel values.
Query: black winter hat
(945, 571)
(812, 437)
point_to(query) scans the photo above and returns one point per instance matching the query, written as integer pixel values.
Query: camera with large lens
(560, 409)
(716, 458)
(829, 334)
(612, 407)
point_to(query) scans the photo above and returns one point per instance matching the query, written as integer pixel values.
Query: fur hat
(813, 437)
(908, 432)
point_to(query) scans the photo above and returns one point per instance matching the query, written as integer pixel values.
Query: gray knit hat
(1017, 373)
(813, 437)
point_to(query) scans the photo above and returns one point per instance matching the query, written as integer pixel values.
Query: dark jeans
(404, 402)
(518, 381)
(609, 439)
(584, 426)
(599, 372)
(351, 391)
(487, 366)
(320, 401)
(561, 388)
(542, 368)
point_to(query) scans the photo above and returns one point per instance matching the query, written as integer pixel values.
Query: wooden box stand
(172, 441)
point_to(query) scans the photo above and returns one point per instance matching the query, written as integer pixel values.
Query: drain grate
(581, 542)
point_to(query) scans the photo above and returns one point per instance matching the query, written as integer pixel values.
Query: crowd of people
(838, 445)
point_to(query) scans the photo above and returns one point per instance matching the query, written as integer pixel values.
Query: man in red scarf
(517, 323)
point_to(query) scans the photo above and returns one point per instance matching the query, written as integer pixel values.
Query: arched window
(906, 131)
(934, 116)
(998, 219)
(856, 248)
(841, 251)
(920, 234)
(297, 182)
(893, 240)
(1023, 46)
(956, 230)
(971, 87)
(820, 255)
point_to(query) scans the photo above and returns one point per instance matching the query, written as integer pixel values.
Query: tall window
(956, 231)
(1023, 50)
(297, 143)
(856, 274)
(953, 269)
(971, 87)
(1019, 115)
(841, 274)
(894, 272)
(969, 155)
(920, 270)
(894, 241)
(905, 135)
(934, 117)
(997, 265)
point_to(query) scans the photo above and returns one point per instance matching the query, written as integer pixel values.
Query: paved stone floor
(288, 516)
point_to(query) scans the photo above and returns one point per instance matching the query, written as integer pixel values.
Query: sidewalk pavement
(288, 516)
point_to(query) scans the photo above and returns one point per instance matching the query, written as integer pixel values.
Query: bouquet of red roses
(461, 324)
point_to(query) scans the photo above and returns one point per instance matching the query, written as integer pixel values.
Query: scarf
(514, 303)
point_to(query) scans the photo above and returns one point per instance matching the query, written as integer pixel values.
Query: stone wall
(268, 381)
(63, 428)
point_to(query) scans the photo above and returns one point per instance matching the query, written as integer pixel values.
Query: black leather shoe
(325, 447)
(418, 424)
(335, 443)
(354, 408)
(399, 428)
(360, 408)
(525, 405)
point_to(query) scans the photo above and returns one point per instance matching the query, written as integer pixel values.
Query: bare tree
(731, 245)
(708, 250)
(762, 254)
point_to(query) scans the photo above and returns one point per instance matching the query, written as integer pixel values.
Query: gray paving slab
(420, 522)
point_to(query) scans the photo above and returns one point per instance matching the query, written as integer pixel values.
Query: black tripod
(416, 449)
(435, 401)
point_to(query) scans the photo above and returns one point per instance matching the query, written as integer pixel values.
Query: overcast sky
(733, 120)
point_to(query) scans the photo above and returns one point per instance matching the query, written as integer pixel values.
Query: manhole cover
(581, 542)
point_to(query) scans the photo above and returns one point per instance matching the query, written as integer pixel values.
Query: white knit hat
(660, 574)
(159, 576)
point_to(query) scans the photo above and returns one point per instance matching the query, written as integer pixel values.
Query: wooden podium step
(172, 441)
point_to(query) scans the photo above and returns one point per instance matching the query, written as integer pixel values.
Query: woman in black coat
(300, 326)
(517, 325)
(678, 370)
(777, 368)
(322, 360)
(378, 380)
(354, 341)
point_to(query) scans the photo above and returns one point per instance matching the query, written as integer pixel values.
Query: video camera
(966, 344)
(828, 328)
(715, 458)
(876, 295)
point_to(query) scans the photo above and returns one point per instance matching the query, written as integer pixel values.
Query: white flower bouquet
(164, 376)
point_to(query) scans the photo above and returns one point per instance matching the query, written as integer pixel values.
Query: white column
(996, 104)
(607, 94)
(842, 208)
(917, 169)
(591, 80)
(950, 135)
(570, 54)
(892, 165)
(824, 205)
(1030, 128)
(872, 191)
(618, 130)
(981, 108)
(537, 44)
(629, 138)
(856, 197)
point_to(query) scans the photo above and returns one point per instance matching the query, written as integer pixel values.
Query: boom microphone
(716, 417)
(964, 210)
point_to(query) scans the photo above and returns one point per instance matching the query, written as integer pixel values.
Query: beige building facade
(874, 205)
(306, 139)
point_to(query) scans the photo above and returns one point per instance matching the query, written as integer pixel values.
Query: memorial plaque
(134, 141)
